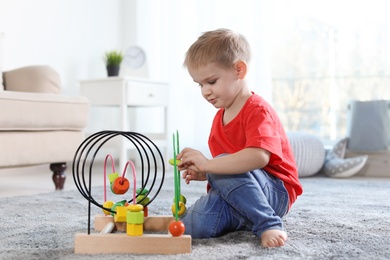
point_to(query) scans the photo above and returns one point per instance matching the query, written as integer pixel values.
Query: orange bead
(120, 185)
(176, 228)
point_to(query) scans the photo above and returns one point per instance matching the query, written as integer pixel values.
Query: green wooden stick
(177, 152)
(176, 180)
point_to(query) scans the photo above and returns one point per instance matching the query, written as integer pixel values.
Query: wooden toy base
(97, 243)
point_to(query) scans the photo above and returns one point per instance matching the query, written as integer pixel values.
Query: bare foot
(273, 238)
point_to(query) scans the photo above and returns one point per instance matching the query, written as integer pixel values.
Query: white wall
(69, 35)
(72, 36)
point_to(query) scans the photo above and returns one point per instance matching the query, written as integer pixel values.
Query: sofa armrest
(38, 78)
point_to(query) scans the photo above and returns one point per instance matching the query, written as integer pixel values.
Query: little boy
(252, 177)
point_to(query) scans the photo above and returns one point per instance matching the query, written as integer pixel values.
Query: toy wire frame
(86, 150)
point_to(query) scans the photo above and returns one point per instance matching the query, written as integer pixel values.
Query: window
(324, 57)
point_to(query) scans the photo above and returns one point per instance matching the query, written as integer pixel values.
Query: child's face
(220, 86)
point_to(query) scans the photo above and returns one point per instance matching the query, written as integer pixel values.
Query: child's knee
(200, 224)
(202, 219)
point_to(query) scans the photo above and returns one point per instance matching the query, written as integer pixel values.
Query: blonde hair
(221, 46)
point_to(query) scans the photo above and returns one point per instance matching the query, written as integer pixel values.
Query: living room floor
(32, 180)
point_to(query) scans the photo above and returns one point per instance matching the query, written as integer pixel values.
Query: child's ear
(241, 69)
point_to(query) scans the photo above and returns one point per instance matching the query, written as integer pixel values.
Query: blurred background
(310, 58)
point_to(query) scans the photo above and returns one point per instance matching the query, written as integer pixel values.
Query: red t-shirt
(258, 125)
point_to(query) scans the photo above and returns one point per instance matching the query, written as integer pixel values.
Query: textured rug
(334, 219)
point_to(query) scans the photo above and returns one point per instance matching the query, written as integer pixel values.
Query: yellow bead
(135, 207)
(172, 162)
(108, 204)
(119, 203)
(134, 229)
(182, 198)
(120, 215)
(182, 208)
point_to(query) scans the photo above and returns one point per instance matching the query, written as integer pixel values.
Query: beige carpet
(334, 219)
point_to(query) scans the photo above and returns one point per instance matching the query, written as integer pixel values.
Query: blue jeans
(254, 201)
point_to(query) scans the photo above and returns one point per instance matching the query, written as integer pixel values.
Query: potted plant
(113, 61)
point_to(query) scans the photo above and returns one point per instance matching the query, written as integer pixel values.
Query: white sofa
(39, 125)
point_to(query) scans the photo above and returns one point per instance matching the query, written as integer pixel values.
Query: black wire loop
(148, 152)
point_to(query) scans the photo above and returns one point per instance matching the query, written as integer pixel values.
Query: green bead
(119, 203)
(135, 217)
(144, 191)
(113, 176)
(144, 201)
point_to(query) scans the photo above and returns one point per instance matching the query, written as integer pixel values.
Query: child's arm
(245, 160)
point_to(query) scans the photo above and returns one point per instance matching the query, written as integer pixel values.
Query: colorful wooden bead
(182, 198)
(176, 228)
(135, 207)
(120, 185)
(135, 217)
(108, 205)
(119, 203)
(142, 191)
(141, 199)
(172, 162)
(112, 176)
(121, 214)
(134, 229)
(182, 208)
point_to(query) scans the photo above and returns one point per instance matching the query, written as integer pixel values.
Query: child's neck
(231, 112)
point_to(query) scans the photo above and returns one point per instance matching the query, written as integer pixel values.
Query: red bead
(120, 185)
(176, 228)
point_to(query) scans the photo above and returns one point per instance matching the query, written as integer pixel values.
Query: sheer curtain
(326, 53)
(309, 57)
(167, 29)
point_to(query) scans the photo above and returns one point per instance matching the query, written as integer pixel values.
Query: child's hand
(194, 163)
(192, 159)
(191, 175)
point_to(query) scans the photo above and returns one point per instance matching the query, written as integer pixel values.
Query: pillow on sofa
(1, 59)
(38, 78)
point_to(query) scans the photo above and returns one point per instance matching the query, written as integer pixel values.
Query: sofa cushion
(22, 148)
(1, 59)
(39, 111)
(33, 79)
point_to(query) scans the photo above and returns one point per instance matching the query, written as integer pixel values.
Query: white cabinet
(125, 92)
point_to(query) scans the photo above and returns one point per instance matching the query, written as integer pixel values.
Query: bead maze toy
(121, 228)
